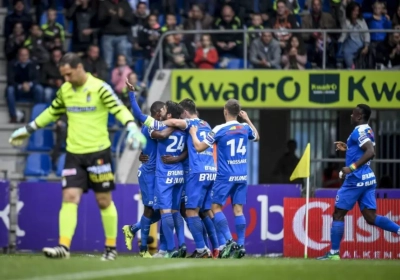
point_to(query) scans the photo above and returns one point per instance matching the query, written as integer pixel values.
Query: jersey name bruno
(231, 139)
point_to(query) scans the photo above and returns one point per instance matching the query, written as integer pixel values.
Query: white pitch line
(124, 271)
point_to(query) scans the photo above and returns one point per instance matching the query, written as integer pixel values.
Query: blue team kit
(359, 186)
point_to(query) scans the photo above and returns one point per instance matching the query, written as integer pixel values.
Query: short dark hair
(233, 107)
(281, 1)
(140, 3)
(365, 111)
(174, 109)
(156, 107)
(188, 105)
(17, 1)
(72, 59)
(170, 15)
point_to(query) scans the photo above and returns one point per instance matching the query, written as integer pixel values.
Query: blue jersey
(151, 151)
(360, 135)
(200, 162)
(173, 146)
(231, 139)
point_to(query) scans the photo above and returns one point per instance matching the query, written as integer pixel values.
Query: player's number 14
(239, 149)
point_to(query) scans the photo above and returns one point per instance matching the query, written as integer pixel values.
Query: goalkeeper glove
(17, 137)
(135, 139)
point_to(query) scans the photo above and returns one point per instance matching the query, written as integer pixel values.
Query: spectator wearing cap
(354, 42)
(83, 17)
(23, 82)
(115, 19)
(51, 76)
(283, 22)
(18, 15)
(265, 52)
(314, 41)
(228, 43)
(54, 34)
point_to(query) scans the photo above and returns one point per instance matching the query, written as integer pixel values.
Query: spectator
(83, 17)
(141, 90)
(292, 6)
(148, 37)
(18, 15)
(54, 34)
(250, 7)
(229, 43)
(265, 52)
(22, 78)
(396, 18)
(314, 41)
(135, 4)
(115, 19)
(176, 52)
(395, 53)
(41, 6)
(35, 44)
(354, 42)
(197, 20)
(170, 23)
(330, 177)
(210, 4)
(139, 21)
(283, 22)
(295, 56)
(14, 41)
(387, 51)
(286, 165)
(222, 3)
(120, 73)
(51, 76)
(206, 56)
(94, 64)
(377, 20)
(256, 24)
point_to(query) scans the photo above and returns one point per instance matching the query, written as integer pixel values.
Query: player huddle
(179, 180)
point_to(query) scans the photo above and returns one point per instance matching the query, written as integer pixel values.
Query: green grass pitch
(82, 267)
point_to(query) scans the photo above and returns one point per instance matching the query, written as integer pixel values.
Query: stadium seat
(235, 64)
(114, 144)
(60, 165)
(37, 110)
(41, 140)
(37, 165)
(111, 120)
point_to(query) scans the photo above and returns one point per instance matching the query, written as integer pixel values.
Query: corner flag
(302, 169)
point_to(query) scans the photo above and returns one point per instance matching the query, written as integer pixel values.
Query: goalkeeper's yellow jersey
(87, 110)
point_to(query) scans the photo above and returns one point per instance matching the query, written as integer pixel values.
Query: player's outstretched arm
(182, 124)
(51, 114)
(245, 117)
(198, 145)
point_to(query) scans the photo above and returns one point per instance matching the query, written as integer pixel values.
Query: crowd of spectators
(112, 35)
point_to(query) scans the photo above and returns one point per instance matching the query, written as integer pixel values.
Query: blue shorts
(198, 191)
(169, 192)
(348, 195)
(222, 189)
(147, 184)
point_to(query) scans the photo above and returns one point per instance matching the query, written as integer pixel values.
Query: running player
(360, 182)
(200, 178)
(86, 100)
(231, 139)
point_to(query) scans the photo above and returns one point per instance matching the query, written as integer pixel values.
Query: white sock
(334, 251)
(200, 250)
(221, 247)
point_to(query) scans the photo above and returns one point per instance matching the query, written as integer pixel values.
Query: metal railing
(158, 53)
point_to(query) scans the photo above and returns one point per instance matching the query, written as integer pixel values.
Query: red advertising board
(360, 240)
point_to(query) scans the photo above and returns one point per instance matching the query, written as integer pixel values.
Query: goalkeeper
(86, 100)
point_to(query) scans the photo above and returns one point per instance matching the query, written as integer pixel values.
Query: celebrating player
(360, 182)
(231, 139)
(199, 182)
(86, 100)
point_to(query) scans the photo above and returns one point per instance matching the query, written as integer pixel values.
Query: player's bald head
(233, 108)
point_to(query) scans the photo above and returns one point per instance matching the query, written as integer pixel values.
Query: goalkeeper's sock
(387, 224)
(163, 241)
(145, 225)
(196, 228)
(221, 223)
(337, 231)
(211, 232)
(240, 224)
(168, 230)
(109, 216)
(67, 223)
(179, 227)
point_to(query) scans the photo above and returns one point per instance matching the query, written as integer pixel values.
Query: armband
(353, 167)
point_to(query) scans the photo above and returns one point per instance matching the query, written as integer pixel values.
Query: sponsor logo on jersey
(76, 109)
